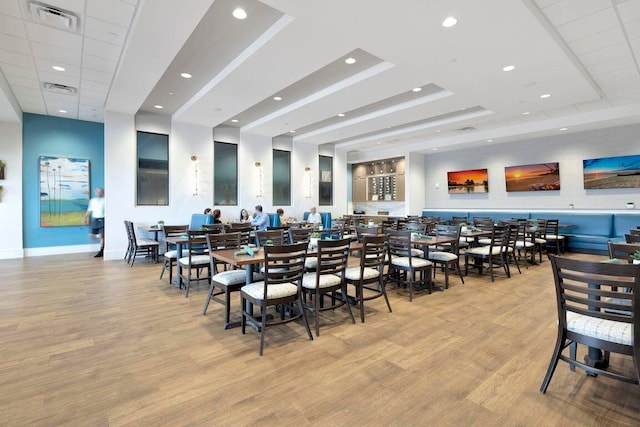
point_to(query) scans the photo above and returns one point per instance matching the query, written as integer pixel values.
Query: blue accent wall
(57, 137)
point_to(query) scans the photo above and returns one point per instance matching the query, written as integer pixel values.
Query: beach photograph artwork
(612, 172)
(537, 177)
(64, 191)
(468, 181)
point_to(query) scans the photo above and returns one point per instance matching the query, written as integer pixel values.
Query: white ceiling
(582, 52)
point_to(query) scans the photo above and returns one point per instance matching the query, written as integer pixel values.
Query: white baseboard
(61, 250)
(11, 253)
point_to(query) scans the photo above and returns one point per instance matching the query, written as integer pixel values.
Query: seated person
(283, 220)
(314, 219)
(260, 219)
(216, 216)
(207, 211)
(244, 216)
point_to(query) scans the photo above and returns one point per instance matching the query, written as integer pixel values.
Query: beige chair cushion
(171, 254)
(554, 237)
(146, 242)
(353, 273)
(311, 263)
(442, 256)
(403, 261)
(231, 277)
(483, 251)
(602, 329)
(195, 260)
(326, 280)
(524, 244)
(484, 241)
(417, 253)
(282, 290)
(539, 241)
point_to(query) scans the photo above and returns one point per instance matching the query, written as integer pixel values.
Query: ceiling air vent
(466, 129)
(53, 16)
(58, 88)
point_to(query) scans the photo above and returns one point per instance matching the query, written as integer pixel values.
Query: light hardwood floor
(93, 343)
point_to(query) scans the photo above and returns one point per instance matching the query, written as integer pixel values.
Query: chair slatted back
(538, 226)
(221, 241)
(590, 287)
(365, 231)
(622, 251)
(400, 243)
(457, 220)
(373, 253)
(483, 223)
(416, 228)
(333, 256)
(286, 230)
(552, 226)
(631, 238)
(634, 232)
(174, 230)
(284, 264)
(275, 237)
(452, 232)
(299, 235)
(218, 228)
(127, 226)
(499, 237)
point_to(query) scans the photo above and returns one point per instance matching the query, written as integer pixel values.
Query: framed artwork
(468, 181)
(611, 172)
(537, 177)
(64, 191)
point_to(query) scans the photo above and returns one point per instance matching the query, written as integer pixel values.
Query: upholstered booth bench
(587, 232)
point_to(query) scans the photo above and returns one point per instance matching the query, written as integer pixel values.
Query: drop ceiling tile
(567, 11)
(16, 70)
(30, 99)
(546, 3)
(21, 81)
(615, 85)
(95, 86)
(90, 102)
(105, 31)
(54, 53)
(9, 57)
(59, 78)
(90, 118)
(46, 64)
(33, 108)
(12, 26)
(60, 98)
(99, 64)
(20, 92)
(597, 41)
(591, 24)
(10, 7)
(102, 50)
(619, 50)
(624, 74)
(624, 62)
(114, 11)
(92, 94)
(633, 30)
(629, 11)
(14, 44)
(593, 105)
(54, 37)
(97, 76)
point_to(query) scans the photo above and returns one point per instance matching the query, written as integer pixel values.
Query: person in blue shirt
(260, 220)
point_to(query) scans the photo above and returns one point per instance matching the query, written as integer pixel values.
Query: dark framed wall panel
(152, 175)
(281, 178)
(225, 174)
(325, 181)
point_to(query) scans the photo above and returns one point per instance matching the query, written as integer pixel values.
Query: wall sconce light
(259, 167)
(194, 159)
(307, 181)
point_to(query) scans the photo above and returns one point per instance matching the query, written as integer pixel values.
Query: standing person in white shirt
(314, 219)
(95, 211)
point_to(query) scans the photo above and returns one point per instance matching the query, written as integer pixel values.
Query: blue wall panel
(58, 137)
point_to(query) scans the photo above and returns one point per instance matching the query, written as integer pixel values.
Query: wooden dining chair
(140, 247)
(368, 277)
(328, 279)
(274, 237)
(554, 239)
(632, 238)
(218, 228)
(282, 286)
(196, 260)
(622, 251)
(404, 268)
(537, 230)
(447, 256)
(634, 232)
(493, 254)
(585, 318)
(171, 254)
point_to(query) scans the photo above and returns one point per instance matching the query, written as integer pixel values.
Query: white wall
(569, 150)
(11, 197)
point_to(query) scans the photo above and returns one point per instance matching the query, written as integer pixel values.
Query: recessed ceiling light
(58, 68)
(564, 128)
(489, 140)
(234, 121)
(277, 98)
(341, 115)
(525, 113)
(350, 61)
(159, 107)
(545, 95)
(416, 89)
(435, 149)
(185, 75)
(239, 13)
(449, 22)
(62, 111)
(438, 131)
(292, 131)
(170, 93)
(509, 68)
